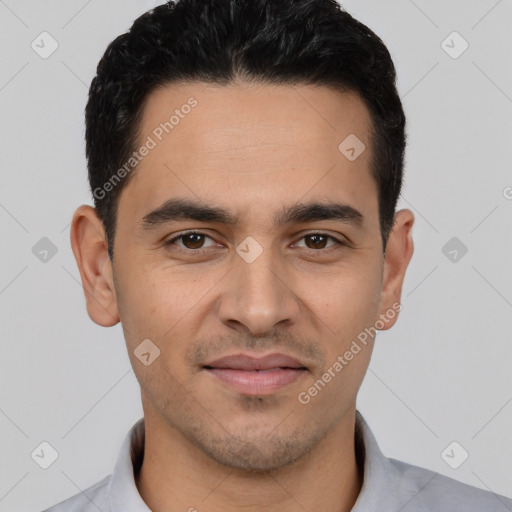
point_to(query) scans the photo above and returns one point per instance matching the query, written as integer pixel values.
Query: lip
(256, 376)
(248, 362)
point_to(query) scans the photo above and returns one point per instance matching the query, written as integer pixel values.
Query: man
(245, 158)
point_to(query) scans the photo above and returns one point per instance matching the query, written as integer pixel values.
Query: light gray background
(442, 374)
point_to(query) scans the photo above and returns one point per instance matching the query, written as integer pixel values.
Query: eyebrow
(186, 209)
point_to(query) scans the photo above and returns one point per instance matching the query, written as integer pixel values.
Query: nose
(258, 296)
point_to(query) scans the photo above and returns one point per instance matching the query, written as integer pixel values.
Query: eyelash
(338, 243)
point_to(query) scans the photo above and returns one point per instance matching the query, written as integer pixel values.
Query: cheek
(348, 308)
(348, 300)
(157, 304)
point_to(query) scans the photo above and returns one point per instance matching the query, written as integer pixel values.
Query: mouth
(256, 376)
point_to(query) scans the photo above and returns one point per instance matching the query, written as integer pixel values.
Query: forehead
(302, 118)
(264, 144)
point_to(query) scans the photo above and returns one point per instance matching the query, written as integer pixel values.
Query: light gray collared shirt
(389, 485)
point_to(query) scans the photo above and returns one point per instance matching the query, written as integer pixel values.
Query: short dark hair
(262, 41)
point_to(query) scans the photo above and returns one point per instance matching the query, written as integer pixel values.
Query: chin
(259, 452)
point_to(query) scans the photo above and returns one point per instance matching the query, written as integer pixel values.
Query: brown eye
(318, 241)
(192, 241)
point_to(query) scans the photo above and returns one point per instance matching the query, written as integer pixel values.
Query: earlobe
(90, 249)
(399, 250)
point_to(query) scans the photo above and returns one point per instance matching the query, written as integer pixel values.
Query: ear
(399, 251)
(89, 245)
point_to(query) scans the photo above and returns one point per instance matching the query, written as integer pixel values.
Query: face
(284, 260)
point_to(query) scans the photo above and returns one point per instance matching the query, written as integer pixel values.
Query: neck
(177, 476)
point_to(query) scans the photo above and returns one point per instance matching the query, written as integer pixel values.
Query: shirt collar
(123, 493)
(378, 492)
(381, 479)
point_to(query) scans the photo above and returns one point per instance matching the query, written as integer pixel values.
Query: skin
(252, 149)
